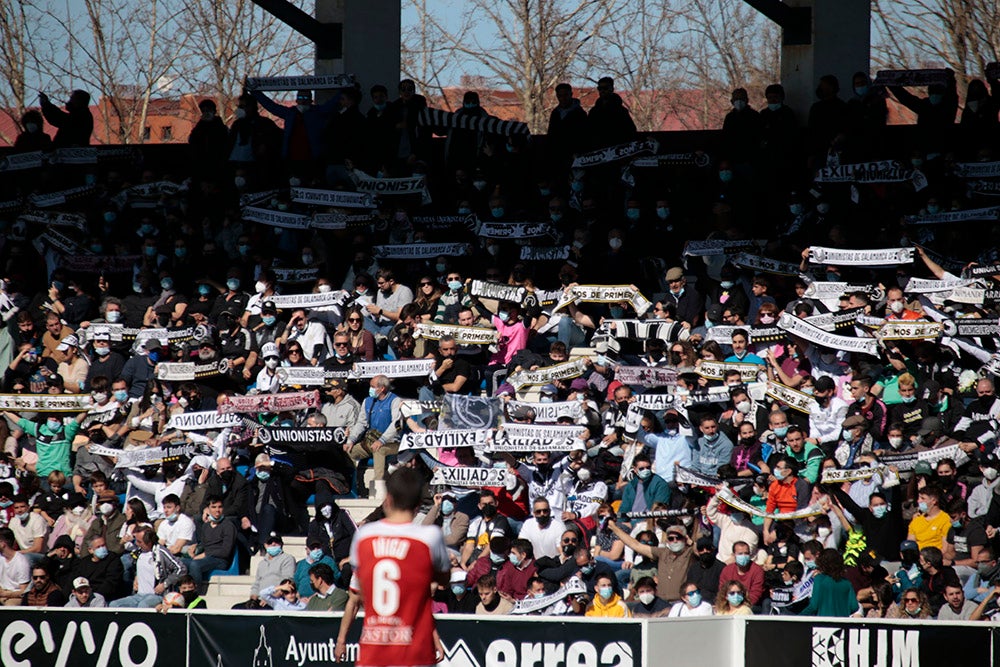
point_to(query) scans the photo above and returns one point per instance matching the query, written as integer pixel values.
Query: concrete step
(230, 585)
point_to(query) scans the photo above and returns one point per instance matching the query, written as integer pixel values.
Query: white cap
(68, 342)
(269, 350)
(81, 582)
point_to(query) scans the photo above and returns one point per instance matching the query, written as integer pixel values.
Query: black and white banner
(837, 475)
(412, 408)
(207, 420)
(251, 198)
(499, 291)
(20, 161)
(656, 514)
(909, 330)
(340, 220)
(302, 438)
(605, 294)
(489, 124)
(641, 329)
(719, 247)
(549, 413)
(988, 213)
(826, 291)
(690, 477)
(391, 187)
(420, 250)
(438, 222)
(646, 376)
(727, 496)
(904, 461)
(503, 442)
(980, 271)
(723, 335)
(872, 257)
(573, 586)
(392, 369)
(319, 82)
(55, 219)
(335, 198)
(924, 286)
(653, 402)
(696, 159)
(793, 398)
(80, 155)
(543, 431)
(185, 371)
(45, 402)
(544, 254)
(61, 197)
(450, 439)
(282, 219)
(100, 263)
(616, 153)
(317, 300)
(883, 171)
(145, 456)
(716, 370)
(292, 276)
(977, 169)
(982, 188)
(59, 241)
(842, 319)
(516, 230)
(302, 376)
(912, 77)
(813, 334)
(970, 327)
(765, 264)
(259, 403)
(462, 335)
(468, 476)
(566, 370)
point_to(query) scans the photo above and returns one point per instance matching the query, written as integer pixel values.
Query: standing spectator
(75, 125)
(832, 593)
(208, 140)
(609, 121)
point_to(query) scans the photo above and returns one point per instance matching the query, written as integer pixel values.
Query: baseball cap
(269, 350)
(81, 582)
(929, 425)
(909, 545)
(68, 342)
(333, 383)
(854, 421)
(505, 388)
(268, 307)
(922, 468)
(677, 529)
(152, 344)
(458, 577)
(675, 273)
(579, 384)
(714, 313)
(549, 389)
(274, 538)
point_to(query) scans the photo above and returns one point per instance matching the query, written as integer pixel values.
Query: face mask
(896, 307)
(240, 182)
(647, 598)
(935, 98)
(576, 186)
(316, 554)
(743, 407)
(503, 315)
(895, 441)
(645, 473)
(823, 532)
(735, 599)
(983, 568)
(263, 475)
(662, 212)
(173, 517)
(796, 209)
(860, 91)
(326, 511)
(271, 363)
(273, 550)
(712, 438)
(489, 511)
(587, 569)
(879, 511)
(149, 250)
(447, 507)
(775, 106)
(568, 549)
(779, 474)
(583, 475)
(615, 243)
(497, 558)
(458, 589)
(847, 434)
(515, 560)
(781, 431)
(497, 211)
(121, 396)
(726, 175)
(54, 425)
(167, 283)
(739, 105)
(676, 547)
(990, 473)
(922, 507)
(605, 592)
(102, 351)
(106, 509)
(101, 553)
(694, 598)
(233, 284)
(907, 399)
(742, 560)
(372, 392)
(823, 208)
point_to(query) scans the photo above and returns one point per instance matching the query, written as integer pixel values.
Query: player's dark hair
(406, 488)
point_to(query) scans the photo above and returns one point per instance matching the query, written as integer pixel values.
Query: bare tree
(225, 41)
(122, 57)
(15, 48)
(963, 35)
(534, 45)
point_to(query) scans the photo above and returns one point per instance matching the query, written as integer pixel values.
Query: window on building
(167, 133)
(145, 134)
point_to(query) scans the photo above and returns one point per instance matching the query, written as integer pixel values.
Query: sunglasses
(353, 319)
(675, 538)
(426, 284)
(295, 352)
(545, 513)
(340, 344)
(41, 578)
(911, 599)
(571, 541)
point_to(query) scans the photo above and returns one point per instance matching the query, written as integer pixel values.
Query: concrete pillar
(371, 42)
(841, 45)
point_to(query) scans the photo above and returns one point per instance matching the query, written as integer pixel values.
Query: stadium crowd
(770, 432)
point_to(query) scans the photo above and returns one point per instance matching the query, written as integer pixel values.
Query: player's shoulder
(428, 535)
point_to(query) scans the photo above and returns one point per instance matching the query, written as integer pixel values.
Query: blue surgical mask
(101, 553)
(633, 213)
(498, 558)
(779, 474)
(263, 475)
(54, 425)
(861, 91)
(233, 284)
(464, 210)
(458, 589)
(497, 211)
(662, 212)
(503, 315)
(268, 320)
(781, 431)
(922, 506)
(150, 250)
(775, 106)
(454, 285)
(742, 560)
(879, 511)
(121, 395)
(726, 175)
(735, 599)
(847, 434)
(694, 598)
(372, 392)
(379, 106)
(316, 554)
(908, 399)
(726, 284)
(110, 216)
(810, 564)
(96, 248)
(576, 186)
(273, 550)
(243, 249)
(545, 192)
(645, 473)
(204, 289)
(605, 592)
(167, 283)
(180, 252)
(447, 507)
(587, 569)
(796, 209)
(515, 560)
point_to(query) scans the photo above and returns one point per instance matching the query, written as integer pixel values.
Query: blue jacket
(655, 490)
(315, 120)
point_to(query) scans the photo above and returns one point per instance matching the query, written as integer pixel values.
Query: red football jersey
(394, 565)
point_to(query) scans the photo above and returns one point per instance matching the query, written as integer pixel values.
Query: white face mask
(646, 598)
(326, 511)
(896, 307)
(823, 532)
(271, 363)
(259, 286)
(990, 473)
(743, 407)
(324, 289)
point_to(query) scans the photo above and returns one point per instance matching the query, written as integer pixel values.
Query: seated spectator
(102, 569)
(513, 576)
(314, 556)
(283, 597)
(743, 570)
(43, 591)
(607, 603)
(82, 595)
(491, 603)
(216, 543)
(691, 603)
(275, 567)
(157, 571)
(732, 600)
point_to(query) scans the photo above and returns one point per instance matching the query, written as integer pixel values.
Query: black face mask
(544, 520)
(489, 511)
(622, 406)
(227, 476)
(675, 358)
(707, 558)
(544, 468)
(568, 549)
